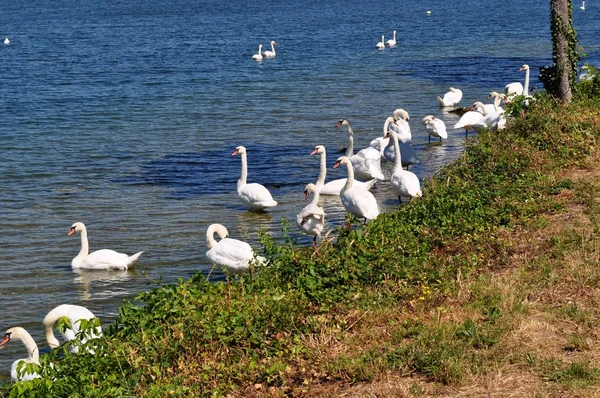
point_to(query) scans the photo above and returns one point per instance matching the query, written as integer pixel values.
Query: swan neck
(322, 171)
(85, 248)
(32, 349)
(350, 179)
(526, 86)
(350, 149)
(397, 158)
(315, 197)
(497, 101)
(244, 175)
(49, 322)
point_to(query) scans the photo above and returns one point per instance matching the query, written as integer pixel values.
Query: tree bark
(561, 20)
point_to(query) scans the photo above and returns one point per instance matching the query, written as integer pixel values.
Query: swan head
(210, 232)
(427, 119)
(453, 89)
(239, 151)
(14, 333)
(401, 114)
(77, 227)
(479, 106)
(342, 122)
(340, 161)
(273, 42)
(524, 67)
(318, 149)
(310, 187)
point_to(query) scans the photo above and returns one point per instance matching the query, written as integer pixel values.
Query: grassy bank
(487, 284)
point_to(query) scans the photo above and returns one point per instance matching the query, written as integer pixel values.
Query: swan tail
(134, 258)
(370, 184)
(441, 101)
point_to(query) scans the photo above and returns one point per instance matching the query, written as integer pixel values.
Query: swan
(513, 89)
(391, 42)
(471, 120)
(17, 372)
(586, 73)
(6, 41)
(406, 183)
(357, 201)
(271, 53)
(582, 6)
(258, 56)
(451, 98)
(75, 314)
(491, 117)
(367, 162)
(435, 127)
(231, 254)
(334, 187)
(254, 196)
(100, 259)
(402, 128)
(311, 219)
(498, 98)
(381, 44)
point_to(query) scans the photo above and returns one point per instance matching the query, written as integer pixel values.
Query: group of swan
(267, 53)
(488, 116)
(74, 313)
(383, 43)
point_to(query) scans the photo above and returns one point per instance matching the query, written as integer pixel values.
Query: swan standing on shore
(357, 201)
(254, 196)
(17, 373)
(381, 44)
(435, 127)
(231, 254)
(391, 42)
(311, 220)
(258, 56)
(75, 314)
(100, 259)
(471, 120)
(451, 98)
(271, 53)
(406, 183)
(367, 162)
(335, 186)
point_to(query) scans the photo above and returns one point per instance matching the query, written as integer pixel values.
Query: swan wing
(231, 253)
(256, 196)
(360, 202)
(106, 259)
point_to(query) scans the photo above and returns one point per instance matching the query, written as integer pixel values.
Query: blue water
(123, 115)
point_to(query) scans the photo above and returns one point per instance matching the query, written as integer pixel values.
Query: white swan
(513, 89)
(451, 98)
(75, 314)
(491, 116)
(334, 187)
(311, 219)
(381, 44)
(498, 98)
(582, 6)
(258, 56)
(6, 41)
(100, 259)
(402, 128)
(435, 127)
(406, 183)
(391, 42)
(271, 53)
(231, 254)
(357, 201)
(472, 120)
(367, 162)
(17, 372)
(254, 196)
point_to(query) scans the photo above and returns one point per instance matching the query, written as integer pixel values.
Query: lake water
(124, 114)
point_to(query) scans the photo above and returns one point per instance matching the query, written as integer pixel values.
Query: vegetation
(487, 284)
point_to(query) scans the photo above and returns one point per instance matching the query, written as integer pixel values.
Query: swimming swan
(254, 196)
(258, 56)
(451, 98)
(270, 53)
(391, 42)
(100, 259)
(381, 44)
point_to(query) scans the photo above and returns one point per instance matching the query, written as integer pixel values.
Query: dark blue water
(124, 114)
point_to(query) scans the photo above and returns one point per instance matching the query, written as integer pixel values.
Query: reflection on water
(100, 284)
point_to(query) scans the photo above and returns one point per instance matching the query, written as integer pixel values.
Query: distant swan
(391, 42)
(311, 219)
(435, 127)
(582, 6)
(75, 314)
(231, 254)
(381, 44)
(254, 196)
(335, 186)
(258, 56)
(357, 201)
(33, 354)
(100, 259)
(271, 53)
(451, 98)
(6, 41)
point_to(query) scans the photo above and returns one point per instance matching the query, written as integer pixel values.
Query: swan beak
(306, 195)
(315, 151)
(5, 340)
(71, 231)
(234, 153)
(336, 165)
(338, 124)
(473, 108)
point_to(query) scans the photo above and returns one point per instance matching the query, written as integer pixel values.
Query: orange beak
(306, 195)
(71, 231)
(336, 165)
(313, 152)
(234, 153)
(5, 340)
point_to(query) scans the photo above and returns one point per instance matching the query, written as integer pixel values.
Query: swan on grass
(75, 314)
(356, 201)
(258, 56)
(405, 183)
(451, 98)
(18, 372)
(367, 162)
(511, 90)
(254, 196)
(335, 186)
(270, 53)
(391, 42)
(311, 219)
(230, 254)
(100, 259)
(381, 44)
(435, 127)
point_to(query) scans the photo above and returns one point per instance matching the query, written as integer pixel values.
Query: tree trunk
(561, 21)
